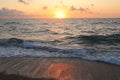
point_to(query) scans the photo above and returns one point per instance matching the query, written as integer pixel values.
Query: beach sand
(56, 69)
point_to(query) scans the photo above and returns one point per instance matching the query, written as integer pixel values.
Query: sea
(87, 38)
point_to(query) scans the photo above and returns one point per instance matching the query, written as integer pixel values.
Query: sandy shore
(56, 69)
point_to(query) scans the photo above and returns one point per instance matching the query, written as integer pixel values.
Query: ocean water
(91, 39)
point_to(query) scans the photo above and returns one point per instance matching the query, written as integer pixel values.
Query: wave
(11, 42)
(14, 42)
(15, 47)
(12, 22)
(112, 39)
(106, 21)
(98, 23)
(1, 26)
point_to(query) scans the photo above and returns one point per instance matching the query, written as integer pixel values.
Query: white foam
(113, 58)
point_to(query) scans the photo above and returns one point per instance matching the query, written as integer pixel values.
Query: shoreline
(62, 58)
(59, 69)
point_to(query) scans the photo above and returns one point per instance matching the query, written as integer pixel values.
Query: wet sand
(56, 69)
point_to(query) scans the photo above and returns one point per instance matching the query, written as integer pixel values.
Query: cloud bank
(11, 13)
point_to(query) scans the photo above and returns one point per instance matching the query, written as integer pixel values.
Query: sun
(60, 15)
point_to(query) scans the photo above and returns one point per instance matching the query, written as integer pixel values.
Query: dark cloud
(22, 1)
(11, 13)
(44, 7)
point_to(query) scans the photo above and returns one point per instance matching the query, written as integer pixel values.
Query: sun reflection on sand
(61, 71)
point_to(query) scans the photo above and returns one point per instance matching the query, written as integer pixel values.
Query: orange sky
(60, 8)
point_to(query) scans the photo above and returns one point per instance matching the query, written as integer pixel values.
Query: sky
(59, 8)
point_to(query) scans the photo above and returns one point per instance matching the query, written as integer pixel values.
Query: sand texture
(56, 69)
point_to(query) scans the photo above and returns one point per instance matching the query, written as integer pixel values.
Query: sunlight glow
(60, 15)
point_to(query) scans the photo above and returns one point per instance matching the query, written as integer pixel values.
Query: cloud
(81, 9)
(11, 13)
(62, 4)
(44, 7)
(57, 6)
(73, 8)
(22, 1)
(92, 5)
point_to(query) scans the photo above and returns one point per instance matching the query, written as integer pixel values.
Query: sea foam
(22, 48)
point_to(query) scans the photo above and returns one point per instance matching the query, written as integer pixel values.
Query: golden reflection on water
(61, 71)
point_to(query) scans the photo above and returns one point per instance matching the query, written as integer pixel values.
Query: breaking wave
(15, 47)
